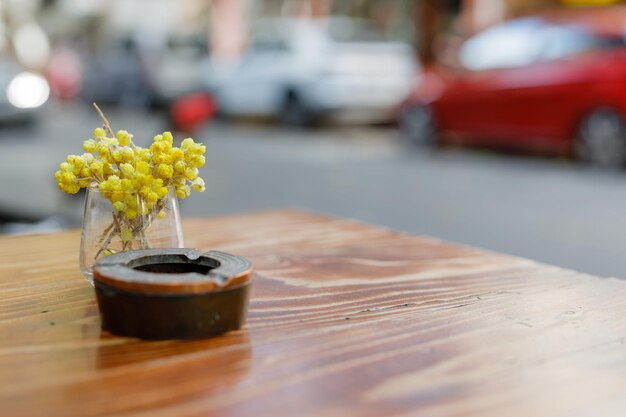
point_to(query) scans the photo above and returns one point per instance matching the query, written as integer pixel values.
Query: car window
(191, 46)
(564, 41)
(353, 30)
(512, 44)
(522, 42)
(267, 43)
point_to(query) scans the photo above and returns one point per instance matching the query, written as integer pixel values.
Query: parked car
(128, 72)
(301, 70)
(554, 83)
(22, 93)
(176, 70)
(117, 74)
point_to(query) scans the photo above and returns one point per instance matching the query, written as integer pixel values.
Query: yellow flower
(177, 181)
(133, 178)
(198, 185)
(87, 158)
(126, 185)
(124, 137)
(76, 162)
(152, 197)
(187, 143)
(109, 169)
(157, 147)
(182, 191)
(128, 169)
(68, 178)
(161, 191)
(142, 167)
(102, 149)
(145, 179)
(127, 154)
(176, 154)
(191, 147)
(191, 173)
(144, 191)
(89, 145)
(117, 155)
(143, 154)
(161, 158)
(197, 161)
(131, 201)
(96, 168)
(117, 195)
(70, 189)
(179, 167)
(66, 181)
(167, 137)
(114, 180)
(165, 171)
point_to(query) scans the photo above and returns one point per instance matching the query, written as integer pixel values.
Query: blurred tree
(432, 18)
(428, 23)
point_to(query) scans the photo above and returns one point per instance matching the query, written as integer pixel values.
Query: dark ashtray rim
(220, 271)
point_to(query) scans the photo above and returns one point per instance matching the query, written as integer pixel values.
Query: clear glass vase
(106, 230)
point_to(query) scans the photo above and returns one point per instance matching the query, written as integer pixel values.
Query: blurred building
(476, 15)
(230, 19)
(445, 22)
(40, 33)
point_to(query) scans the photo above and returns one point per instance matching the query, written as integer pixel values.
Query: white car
(301, 70)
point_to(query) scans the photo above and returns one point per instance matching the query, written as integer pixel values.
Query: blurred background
(495, 123)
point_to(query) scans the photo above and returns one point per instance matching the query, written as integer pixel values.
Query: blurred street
(390, 112)
(555, 211)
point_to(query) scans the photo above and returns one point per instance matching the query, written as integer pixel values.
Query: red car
(555, 83)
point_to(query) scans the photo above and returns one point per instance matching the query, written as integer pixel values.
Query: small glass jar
(106, 230)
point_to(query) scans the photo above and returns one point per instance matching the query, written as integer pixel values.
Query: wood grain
(345, 320)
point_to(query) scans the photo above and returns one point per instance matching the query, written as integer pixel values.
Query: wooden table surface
(345, 320)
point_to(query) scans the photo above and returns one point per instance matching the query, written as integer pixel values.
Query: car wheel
(293, 112)
(602, 139)
(418, 126)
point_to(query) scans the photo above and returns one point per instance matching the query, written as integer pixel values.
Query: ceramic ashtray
(172, 293)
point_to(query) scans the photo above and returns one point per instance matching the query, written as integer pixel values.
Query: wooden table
(345, 320)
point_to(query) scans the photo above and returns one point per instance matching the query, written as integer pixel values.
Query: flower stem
(105, 122)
